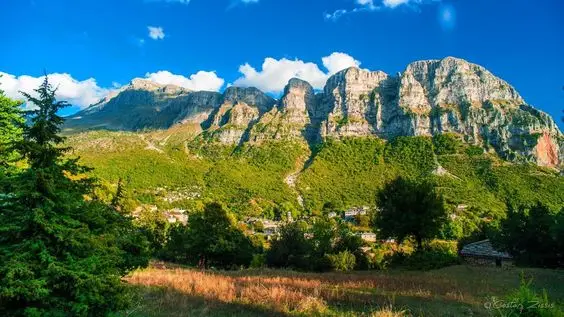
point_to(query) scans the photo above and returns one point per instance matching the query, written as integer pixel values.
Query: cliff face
(291, 118)
(429, 97)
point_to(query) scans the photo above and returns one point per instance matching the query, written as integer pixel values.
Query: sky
(90, 47)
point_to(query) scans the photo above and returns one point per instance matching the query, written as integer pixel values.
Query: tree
(532, 235)
(60, 254)
(300, 248)
(210, 239)
(291, 249)
(11, 123)
(409, 208)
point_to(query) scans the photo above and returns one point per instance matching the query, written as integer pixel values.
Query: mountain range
(430, 97)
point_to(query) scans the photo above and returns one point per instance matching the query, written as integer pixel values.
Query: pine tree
(120, 196)
(60, 253)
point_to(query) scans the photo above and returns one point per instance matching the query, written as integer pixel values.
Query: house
(355, 211)
(270, 229)
(367, 236)
(332, 214)
(483, 253)
(176, 215)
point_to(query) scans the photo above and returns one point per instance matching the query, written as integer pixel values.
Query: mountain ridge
(430, 97)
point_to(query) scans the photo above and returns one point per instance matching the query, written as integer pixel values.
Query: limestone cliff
(429, 97)
(290, 119)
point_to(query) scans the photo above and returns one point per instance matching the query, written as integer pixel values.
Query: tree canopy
(210, 239)
(61, 252)
(11, 122)
(410, 208)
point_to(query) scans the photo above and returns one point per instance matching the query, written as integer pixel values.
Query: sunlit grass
(454, 291)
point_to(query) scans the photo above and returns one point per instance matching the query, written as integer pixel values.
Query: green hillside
(252, 179)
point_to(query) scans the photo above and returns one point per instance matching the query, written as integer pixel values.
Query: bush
(258, 261)
(446, 143)
(343, 261)
(524, 302)
(532, 235)
(474, 150)
(258, 226)
(435, 255)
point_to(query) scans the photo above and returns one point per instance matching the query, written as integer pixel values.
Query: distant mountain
(428, 98)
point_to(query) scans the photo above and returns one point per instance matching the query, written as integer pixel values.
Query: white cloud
(339, 61)
(275, 74)
(202, 80)
(363, 5)
(78, 93)
(156, 32)
(369, 5)
(394, 3)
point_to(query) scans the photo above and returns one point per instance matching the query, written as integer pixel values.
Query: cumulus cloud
(275, 73)
(202, 80)
(339, 61)
(156, 32)
(77, 93)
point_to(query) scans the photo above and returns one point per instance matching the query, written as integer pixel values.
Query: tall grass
(454, 291)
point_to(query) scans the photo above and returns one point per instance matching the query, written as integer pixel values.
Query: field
(454, 291)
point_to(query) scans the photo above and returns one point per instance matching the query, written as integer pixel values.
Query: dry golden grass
(454, 291)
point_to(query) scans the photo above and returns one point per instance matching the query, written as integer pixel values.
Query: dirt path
(292, 178)
(150, 145)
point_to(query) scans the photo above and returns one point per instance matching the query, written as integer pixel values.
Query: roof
(483, 249)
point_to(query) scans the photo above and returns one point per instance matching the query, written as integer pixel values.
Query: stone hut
(483, 253)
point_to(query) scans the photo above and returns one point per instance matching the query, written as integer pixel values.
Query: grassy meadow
(462, 290)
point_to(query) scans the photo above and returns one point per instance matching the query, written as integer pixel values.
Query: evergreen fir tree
(61, 254)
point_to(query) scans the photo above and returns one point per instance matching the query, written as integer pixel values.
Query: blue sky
(93, 46)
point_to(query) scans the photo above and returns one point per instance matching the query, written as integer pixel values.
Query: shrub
(435, 255)
(446, 143)
(343, 261)
(532, 235)
(258, 226)
(474, 150)
(258, 261)
(524, 302)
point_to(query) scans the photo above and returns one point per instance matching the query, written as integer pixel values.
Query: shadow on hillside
(153, 301)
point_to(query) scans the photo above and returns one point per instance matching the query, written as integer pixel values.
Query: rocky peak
(298, 96)
(349, 100)
(250, 96)
(148, 85)
(449, 81)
